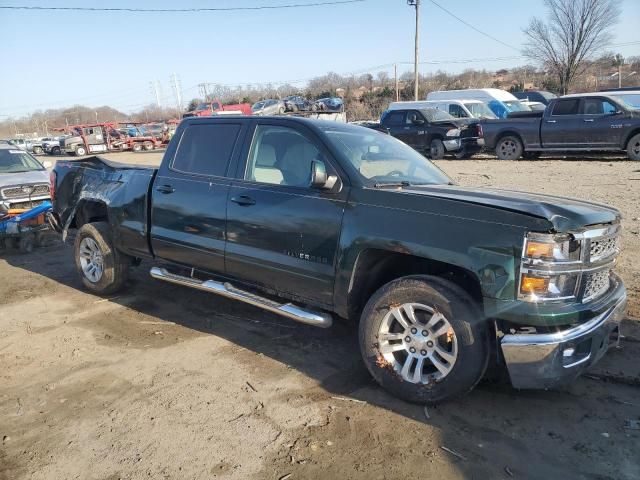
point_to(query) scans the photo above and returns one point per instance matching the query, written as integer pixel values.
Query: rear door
(562, 127)
(282, 234)
(189, 196)
(598, 117)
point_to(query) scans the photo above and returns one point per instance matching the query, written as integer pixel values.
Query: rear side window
(206, 149)
(394, 118)
(566, 107)
(456, 111)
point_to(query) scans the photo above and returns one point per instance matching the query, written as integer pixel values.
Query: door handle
(165, 189)
(551, 121)
(588, 119)
(243, 200)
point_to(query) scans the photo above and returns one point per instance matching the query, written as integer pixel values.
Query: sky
(54, 59)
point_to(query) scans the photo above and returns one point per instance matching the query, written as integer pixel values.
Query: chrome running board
(309, 317)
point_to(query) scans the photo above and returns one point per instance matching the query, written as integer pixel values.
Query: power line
(179, 10)
(472, 26)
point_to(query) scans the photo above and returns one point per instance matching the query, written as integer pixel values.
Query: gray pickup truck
(574, 123)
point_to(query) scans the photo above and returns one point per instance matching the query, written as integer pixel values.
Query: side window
(456, 111)
(281, 156)
(206, 149)
(566, 107)
(394, 118)
(412, 116)
(597, 106)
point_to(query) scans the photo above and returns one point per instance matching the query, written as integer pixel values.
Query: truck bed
(98, 188)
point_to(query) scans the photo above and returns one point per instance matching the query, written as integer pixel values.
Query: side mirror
(319, 177)
(47, 164)
(4, 209)
(418, 121)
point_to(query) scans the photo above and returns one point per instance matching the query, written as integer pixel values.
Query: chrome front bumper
(539, 361)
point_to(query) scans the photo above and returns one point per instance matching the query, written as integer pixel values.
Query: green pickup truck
(319, 221)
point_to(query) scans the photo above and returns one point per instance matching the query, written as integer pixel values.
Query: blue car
(330, 104)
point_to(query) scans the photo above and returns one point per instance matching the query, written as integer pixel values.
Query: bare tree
(574, 31)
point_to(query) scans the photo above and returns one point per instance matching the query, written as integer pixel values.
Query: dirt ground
(165, 382)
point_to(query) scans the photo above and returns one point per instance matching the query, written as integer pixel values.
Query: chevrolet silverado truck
(433, 132)
(589, 122)
(321, 221)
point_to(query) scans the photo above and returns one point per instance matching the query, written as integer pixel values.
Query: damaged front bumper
(547, 360)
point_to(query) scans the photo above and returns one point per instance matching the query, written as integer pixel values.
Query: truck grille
(25, 191)
(595, 284)
(603, 248)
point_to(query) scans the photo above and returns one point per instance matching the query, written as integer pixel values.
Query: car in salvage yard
(24, 181)
(431, 131)
(317, 221)
(588, 122)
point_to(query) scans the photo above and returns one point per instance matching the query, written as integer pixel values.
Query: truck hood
(23, 178)
(564, 214)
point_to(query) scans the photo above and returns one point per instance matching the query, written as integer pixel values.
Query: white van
(455, 108)
(499, 101)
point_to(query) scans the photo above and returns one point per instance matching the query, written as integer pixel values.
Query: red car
(206, 109)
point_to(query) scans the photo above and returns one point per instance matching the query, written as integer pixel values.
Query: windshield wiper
(392, 184)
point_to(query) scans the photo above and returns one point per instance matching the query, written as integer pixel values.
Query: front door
(282, 234)
(599, 122)
(189, 197)
(561, 129)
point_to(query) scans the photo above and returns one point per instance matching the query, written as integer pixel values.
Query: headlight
(546, 270)
(540, 247)
(541, 287)
(454, 132)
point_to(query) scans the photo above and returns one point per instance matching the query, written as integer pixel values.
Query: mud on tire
(462, 334)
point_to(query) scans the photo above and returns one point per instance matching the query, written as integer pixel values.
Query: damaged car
(319, 222)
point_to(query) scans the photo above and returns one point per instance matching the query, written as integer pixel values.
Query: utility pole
(416, 4)
(175, 81)
(395, 76)
(155, 90)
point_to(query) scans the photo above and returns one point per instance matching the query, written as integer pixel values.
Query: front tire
(37, 150)
(423, 339)
(102, 268)
(436, 149)
(81, 151)
(509, 148)
(137, 147)
(633, 147)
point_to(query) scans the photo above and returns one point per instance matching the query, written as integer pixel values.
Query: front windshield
(257, 106)
(16, 161)
(380, 158)
(516, 106)
(479, 110)
(202, 106)
(629, 100)
(435, 115)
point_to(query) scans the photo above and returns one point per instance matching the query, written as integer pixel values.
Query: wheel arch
(88, 211)
(375, 268)
(628, 138)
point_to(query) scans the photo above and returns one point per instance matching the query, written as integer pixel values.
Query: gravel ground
(164, 382)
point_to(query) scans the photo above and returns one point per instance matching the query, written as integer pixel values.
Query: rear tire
(633, 148)
(37, 150)
(509, 148)
(102, 269)
(55, 150)
(137, 147)
(27, 243)
(148, 146)
(436, 149)
(433, 326)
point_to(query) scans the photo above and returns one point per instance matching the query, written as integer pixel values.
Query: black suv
(433, 132)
